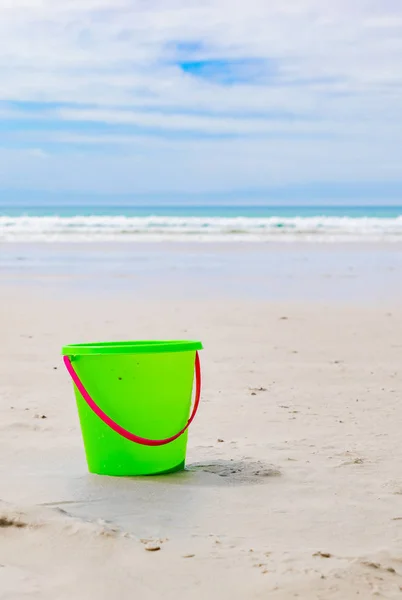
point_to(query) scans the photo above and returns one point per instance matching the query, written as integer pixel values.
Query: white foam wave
(159, 228)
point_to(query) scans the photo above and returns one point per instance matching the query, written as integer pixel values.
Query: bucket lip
(131, 347)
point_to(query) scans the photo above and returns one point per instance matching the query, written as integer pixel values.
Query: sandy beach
(294, 473)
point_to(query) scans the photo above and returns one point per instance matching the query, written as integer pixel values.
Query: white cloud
(334, 70)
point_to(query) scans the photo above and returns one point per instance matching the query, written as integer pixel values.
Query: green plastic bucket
(134, 401)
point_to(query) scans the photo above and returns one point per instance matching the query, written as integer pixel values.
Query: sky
(296, 100)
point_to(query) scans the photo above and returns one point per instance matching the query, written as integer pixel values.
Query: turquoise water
(205, 211)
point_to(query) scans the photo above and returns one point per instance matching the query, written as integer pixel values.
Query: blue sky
(291, 101)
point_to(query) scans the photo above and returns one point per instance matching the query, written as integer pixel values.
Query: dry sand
(294, 480)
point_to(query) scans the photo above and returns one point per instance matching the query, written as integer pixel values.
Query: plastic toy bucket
(134, 401)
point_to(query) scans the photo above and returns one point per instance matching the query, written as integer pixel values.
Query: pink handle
(120, 430)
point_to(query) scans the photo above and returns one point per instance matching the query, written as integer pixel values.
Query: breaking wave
(202, 229)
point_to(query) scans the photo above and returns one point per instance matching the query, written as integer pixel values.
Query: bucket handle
(120, 430)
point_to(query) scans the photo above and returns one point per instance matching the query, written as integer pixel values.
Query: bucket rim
(131, 347)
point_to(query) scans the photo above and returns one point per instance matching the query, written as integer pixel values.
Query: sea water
(200, 223)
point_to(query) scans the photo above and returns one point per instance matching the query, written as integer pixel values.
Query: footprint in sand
(238, 471)
(6, 522)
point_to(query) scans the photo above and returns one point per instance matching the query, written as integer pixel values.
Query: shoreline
(306, 273)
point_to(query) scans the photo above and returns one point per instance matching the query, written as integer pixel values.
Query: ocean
(201, 223)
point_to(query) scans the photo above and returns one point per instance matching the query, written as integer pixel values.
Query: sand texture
(294, 480)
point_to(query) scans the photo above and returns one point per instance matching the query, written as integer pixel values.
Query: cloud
(307, 90)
